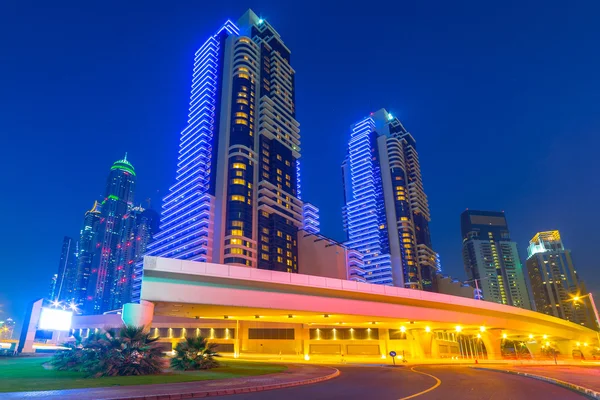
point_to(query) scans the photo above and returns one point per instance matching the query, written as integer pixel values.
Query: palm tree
(194, 353)
(122, 352)
(128, 351)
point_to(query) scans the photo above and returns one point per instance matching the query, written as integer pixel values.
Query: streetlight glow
(482, 328)
(427, 329)
(402, 329)
(458, 328)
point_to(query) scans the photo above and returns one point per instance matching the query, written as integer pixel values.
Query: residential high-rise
(236, 199)
(386, 214)
(491, 259)
(118, 199)
(87, 248)
(555, 282)
(66, 281)
(139, 227)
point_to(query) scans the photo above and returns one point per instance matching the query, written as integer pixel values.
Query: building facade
(492, 260)
(555, 282)
(118, 200)
(87, 248)
(66, 288)
(236, 199)
(386, 214)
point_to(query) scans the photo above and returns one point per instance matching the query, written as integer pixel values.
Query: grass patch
(27, 373)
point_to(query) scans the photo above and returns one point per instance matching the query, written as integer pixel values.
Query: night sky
(503, 100)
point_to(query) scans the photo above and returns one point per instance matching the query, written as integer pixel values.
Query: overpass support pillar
(492, 340)
(138, 314)
(422, 343)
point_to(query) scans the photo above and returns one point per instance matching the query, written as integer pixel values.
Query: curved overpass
(222, 292)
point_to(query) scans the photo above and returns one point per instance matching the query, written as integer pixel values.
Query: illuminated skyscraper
(118, 200)
(66, 289)
(87, 248)
(386, 215)
(491, 259)
(555, 282)
(236, 199)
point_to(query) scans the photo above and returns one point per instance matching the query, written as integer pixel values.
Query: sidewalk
(295, 375)
(578, 378)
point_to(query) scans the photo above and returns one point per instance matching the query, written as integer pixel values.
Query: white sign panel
(55, 320)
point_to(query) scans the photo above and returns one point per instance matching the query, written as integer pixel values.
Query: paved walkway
(295, 375)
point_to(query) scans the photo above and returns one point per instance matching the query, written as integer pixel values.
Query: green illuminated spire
(124, 165)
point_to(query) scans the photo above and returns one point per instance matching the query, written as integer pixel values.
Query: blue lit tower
(66, 289)
(118, 200)
(236, 195)
(87, 248)
(386, 214)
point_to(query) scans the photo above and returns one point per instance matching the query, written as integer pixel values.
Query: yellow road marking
(438, 383)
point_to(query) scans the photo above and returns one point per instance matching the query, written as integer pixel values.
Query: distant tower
(386, 214)
(66, 282)
(554, 280)
(491, 259)
(118, 200)
(52, 287)
(236, 198)
(87, 248)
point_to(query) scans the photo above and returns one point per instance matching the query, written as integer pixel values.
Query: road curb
(222, 392)
(580, 389)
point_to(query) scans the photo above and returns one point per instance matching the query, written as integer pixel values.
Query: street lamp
(577, 298)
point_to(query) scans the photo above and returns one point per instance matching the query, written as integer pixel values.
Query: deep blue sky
(503, 99)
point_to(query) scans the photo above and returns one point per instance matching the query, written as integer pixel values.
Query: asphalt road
(455, 382)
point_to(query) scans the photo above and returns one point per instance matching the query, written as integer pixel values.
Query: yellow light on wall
(530, 336)
(402, 329)
(306, 357)
(504, 336)
(578, 344)
(458, 328)
(482, 328)
(427, 329)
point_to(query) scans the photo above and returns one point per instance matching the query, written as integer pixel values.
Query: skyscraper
(554, 280)
(66, 281)
(491, 259)
(87, 248)
(139, 227)
(236, 199)
(386, 214)
(118, 200)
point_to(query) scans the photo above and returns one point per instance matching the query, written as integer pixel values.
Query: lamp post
(577, 298)
(477, 285)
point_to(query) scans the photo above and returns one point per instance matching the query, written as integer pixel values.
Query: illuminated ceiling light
(530, 336)
(479, 336)
(547, 343)
(402, 329)
(578, 344)
(545, 336)
(427, 329)
(482, 328)
(585, 344)
(458, 328)
(504, 336)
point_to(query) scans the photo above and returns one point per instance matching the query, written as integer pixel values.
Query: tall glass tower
(87, 246)
(491, 259)
(118, 199)
(236, 197)
(66, 282)
(555, 281)
(386, 214)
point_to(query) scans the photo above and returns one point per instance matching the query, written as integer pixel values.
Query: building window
(237, 197)
(237, 232)
(279, 234)
(239, 165)
(238, 181)
(240, 122)
(242, 101)
(265, 256)
(241, 115)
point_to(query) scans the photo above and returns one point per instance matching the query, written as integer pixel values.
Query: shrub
(123, 352)
(193, 354)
